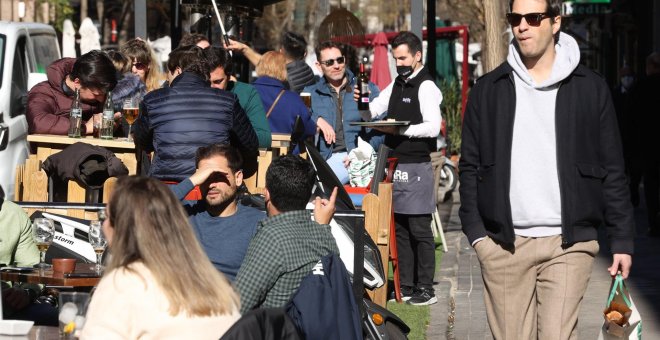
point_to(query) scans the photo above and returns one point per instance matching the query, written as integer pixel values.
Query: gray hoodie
(534, 190)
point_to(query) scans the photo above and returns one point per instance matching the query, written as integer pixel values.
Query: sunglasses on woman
(532, 19)
(331, 62)
(140, 66)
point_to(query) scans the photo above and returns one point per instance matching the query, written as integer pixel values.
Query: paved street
(460, 312)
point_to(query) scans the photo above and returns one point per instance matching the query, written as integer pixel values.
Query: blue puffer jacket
(177, 120)
(325, 106)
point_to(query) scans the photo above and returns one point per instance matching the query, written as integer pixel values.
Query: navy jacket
(592, 182)
(176, 121)
(289, 106)
(324, 306)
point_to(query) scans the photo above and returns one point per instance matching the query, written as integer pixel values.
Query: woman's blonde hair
(272, 64)
(138, 50)
(150, 226)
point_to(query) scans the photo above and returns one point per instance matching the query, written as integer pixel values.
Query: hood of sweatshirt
(567, 58)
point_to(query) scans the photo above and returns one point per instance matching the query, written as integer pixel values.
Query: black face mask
(404, 71)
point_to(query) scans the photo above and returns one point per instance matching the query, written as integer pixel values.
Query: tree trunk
(494, 44)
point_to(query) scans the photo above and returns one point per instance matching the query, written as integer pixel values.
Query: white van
(26, 50)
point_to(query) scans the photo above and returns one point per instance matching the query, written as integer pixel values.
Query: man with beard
(223, 226)
(49, 102)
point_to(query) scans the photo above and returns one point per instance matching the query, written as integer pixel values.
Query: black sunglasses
(532, 19)
(140, 66)
(331, 62)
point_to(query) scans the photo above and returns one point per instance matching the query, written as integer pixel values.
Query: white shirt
(430, 98)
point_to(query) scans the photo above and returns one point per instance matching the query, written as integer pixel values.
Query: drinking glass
(98, 242)
(131, 111)
(43, 231)
(72, 309)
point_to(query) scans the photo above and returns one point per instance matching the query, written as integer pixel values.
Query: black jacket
(89, 165)
(175, 121)
(593, 186)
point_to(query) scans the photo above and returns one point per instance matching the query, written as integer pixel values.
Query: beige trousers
(535, 291)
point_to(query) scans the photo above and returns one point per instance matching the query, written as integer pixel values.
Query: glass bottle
(75, 116)
(108, 120)
(363, 87)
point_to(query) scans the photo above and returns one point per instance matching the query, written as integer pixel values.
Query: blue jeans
(336, 163)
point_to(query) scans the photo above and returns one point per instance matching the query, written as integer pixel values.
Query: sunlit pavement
(460, 312)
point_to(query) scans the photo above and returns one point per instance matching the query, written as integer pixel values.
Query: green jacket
(16, 234)
(250, 101)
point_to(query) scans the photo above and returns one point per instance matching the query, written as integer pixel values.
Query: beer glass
(131, 110)
(307, 99)
(43, 231)
(98, 242)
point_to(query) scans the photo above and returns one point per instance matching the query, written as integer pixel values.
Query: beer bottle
(363, 87)
(75, 116)
(108, 120)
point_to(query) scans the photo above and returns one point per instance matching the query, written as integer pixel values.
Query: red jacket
(48, 106)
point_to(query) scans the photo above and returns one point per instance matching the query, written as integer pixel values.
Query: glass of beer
(307, 99)
(131, 111)
(43, 231)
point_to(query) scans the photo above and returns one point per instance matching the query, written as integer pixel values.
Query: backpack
(324, 305)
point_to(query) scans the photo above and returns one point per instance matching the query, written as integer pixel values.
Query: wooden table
(47, 145)
(281, 141)
(47, 277)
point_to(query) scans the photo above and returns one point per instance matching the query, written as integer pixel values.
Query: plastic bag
(362, 164)
(620, 301)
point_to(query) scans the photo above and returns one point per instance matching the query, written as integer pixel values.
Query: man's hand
(620, 263)
(327, 130)
(16, 298)
(201, 175)
(347, 162)
(235, 45)
(324, 209)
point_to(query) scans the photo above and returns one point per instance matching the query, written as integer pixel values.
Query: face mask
(404, 71)
(627, 81)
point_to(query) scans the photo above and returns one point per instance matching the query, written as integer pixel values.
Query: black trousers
(416, 250)
(652, 191)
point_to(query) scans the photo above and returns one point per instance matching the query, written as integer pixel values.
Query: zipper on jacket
(561, 198)
(508, 175)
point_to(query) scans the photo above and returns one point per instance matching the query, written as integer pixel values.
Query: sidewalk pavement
(460, 312)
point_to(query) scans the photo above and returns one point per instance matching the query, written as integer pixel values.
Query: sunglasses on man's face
(140, 66)
(532, 19)
(331, 62)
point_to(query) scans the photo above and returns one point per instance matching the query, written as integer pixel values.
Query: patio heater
(197, 16)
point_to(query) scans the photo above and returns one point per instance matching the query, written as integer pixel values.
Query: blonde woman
(159, 283)
(144, 63)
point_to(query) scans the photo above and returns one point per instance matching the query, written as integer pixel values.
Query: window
(46, 50)
(3, 39)
(19, 80)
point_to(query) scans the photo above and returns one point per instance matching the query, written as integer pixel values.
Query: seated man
(333, 109)
(223, 226)
(288, 243)
(18, 248)
(222, 70)
(176, 121)
(49, 102)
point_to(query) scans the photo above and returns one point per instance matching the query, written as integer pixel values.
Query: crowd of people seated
(178, 264)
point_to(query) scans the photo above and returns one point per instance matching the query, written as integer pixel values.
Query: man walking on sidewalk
(541, 169)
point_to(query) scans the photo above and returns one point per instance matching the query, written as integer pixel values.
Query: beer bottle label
(108, 114)
(76, 113)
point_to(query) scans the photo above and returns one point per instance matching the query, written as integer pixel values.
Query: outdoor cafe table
(36, 333)
(46, 145)
(47, 277)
